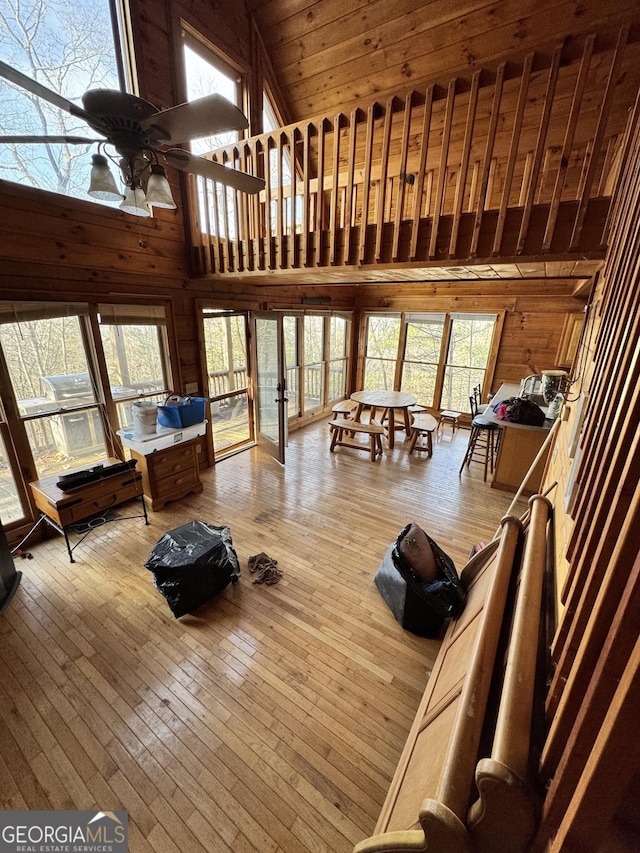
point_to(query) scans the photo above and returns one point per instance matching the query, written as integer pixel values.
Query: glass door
(271, 399)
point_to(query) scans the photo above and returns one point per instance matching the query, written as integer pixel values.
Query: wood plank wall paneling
(593, 647)
(327, 56)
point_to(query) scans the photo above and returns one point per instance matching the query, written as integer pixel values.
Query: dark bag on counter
(519, 410)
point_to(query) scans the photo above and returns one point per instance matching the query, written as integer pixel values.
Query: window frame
(404, 318)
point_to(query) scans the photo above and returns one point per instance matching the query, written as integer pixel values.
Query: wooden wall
(590, 758)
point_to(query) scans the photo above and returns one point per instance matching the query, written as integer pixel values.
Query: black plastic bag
(519, 410)
(192, 563)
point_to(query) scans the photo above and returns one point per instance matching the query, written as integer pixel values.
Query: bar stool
(483, 440)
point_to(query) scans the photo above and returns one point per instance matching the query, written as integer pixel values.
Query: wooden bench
(346, 408)
(462, 781)
(374, 430)
(423, 425)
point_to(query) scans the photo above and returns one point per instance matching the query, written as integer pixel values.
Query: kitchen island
(519, 446)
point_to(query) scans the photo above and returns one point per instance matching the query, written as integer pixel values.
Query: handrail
(498, 165)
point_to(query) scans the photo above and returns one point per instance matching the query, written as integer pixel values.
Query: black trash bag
(192, 563)
(420, 605)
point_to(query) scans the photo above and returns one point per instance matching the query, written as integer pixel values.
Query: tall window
(54, 384)
(438, 358)
(469, 347)
(208, 74)
(381, 354)
(293, 367)
(313, 361)
(338, 357)
(68, 48)
(422, 353)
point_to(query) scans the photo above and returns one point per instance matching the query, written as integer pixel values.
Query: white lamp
(102, 184)
(158, 189)
(134, 202)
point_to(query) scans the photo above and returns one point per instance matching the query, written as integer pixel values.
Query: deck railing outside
(503, 163)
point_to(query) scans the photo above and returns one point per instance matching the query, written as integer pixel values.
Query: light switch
(191, 388)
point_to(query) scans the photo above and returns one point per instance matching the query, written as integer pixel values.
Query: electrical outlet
(191, 388)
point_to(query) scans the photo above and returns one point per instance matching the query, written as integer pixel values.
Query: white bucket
(145, 416)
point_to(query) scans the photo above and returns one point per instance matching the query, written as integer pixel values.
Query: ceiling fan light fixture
(158, 189)
(135, 202)
(102, 184)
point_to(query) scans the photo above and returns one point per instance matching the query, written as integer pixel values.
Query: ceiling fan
(139, 132)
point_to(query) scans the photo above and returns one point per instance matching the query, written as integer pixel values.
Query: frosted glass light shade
(102, 184)
(158, 189)
(135, 202)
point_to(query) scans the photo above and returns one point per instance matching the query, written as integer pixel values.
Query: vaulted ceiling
(330, 55)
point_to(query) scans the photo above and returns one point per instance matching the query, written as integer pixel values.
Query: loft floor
(273, 718)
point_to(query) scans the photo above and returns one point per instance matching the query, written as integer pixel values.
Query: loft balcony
(511, 169)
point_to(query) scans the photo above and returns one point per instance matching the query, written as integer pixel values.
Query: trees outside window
(68, 47)
(438, 358)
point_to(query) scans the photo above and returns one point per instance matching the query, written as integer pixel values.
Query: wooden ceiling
(329, 55)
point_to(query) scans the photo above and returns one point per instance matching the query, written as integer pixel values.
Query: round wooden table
(390, 400)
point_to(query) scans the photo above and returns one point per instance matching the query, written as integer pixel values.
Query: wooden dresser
(169, 474)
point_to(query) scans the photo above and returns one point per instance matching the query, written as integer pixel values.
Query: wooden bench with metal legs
(341, 426)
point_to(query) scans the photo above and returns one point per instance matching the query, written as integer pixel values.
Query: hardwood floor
(273, 718)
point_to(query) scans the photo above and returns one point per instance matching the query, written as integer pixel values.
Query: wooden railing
(517, 162)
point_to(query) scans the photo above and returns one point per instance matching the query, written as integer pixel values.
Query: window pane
(230, 422)
(423, 340)
(10, 506)
(470, 342)
(64, 441)
(337, 337)
(47, 364)
(419, 380)
(226, 353)
(383, 335)
(313, 338)
(469, 348)
(69, 48)
(379, 374)
(290, 330)
(134, 364)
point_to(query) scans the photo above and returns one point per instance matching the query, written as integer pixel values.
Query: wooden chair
(423, 425)
(482, 445)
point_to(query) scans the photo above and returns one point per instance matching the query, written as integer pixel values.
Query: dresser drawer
(172, 461)
(176, 483)
(100, 502)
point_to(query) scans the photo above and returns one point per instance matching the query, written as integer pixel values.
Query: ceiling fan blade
(186, 162)
(20, 79)
(34, 140)
(195, 119)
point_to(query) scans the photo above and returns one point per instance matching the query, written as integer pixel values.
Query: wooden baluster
(280, 214)
(513, 151)
(402, 179)
(366, 181)
(306, 169)
(540, 146)
(239, 213)
(488, 156)
(442, 170)
(570, 130)
(418, 186)
(384, 165)
(292, 255)
(349, 201)
(335, 196)
(464, 165)
(320, 199)
(605, 108)
(269, 260)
